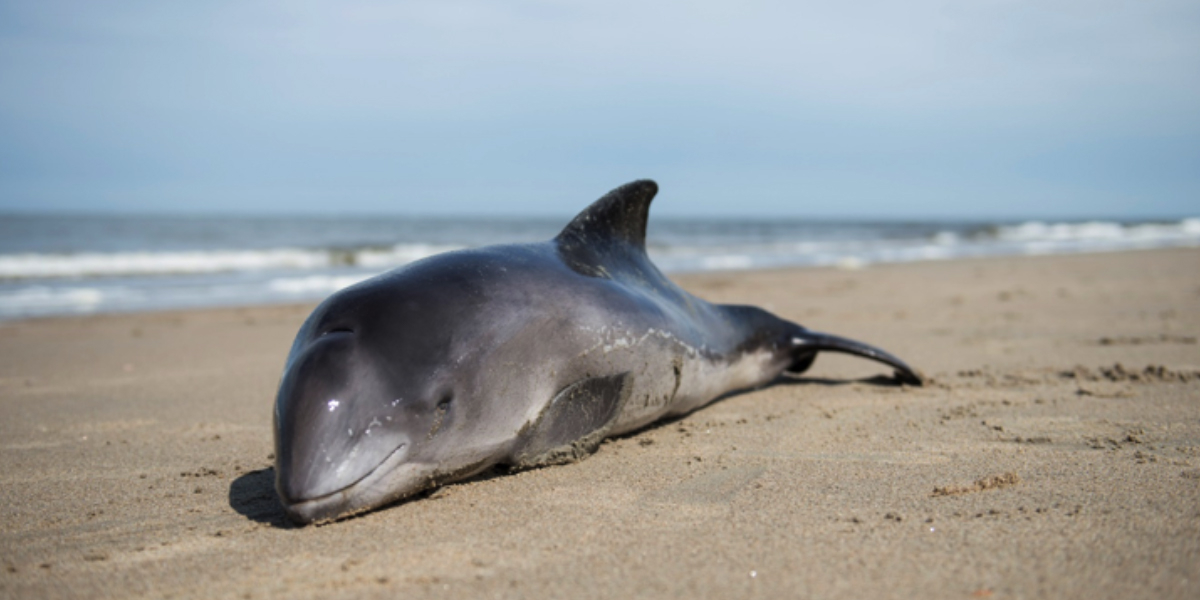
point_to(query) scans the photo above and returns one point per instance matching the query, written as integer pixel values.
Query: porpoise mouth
(360, 496)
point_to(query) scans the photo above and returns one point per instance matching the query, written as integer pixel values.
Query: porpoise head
(371, 392)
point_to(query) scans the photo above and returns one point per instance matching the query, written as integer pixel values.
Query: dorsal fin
(620, 215)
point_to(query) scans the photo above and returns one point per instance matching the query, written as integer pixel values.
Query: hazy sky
(854, 108)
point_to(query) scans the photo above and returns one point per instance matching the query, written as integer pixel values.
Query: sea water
(79, 264)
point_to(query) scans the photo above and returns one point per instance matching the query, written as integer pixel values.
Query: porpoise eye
(443, 405)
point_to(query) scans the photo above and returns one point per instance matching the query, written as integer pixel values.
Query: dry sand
(134, 453)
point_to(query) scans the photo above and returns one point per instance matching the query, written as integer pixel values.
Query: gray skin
(520, 355)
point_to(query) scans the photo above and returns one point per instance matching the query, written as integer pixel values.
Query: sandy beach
(1054, 453)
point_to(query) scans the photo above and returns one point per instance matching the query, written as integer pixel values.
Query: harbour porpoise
(521, 355)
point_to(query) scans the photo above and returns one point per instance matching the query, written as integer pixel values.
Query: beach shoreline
(71, 264)
(1055, 452)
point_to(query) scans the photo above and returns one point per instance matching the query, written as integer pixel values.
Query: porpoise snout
(335, 423)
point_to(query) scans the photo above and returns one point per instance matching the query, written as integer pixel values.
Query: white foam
(727, 262)
(399, 254)
(314, 284)
(850, 263)
(142, 263)
(95, 264)
(946, 238)
(1039, 231)
(1100, 231)
(34, 300)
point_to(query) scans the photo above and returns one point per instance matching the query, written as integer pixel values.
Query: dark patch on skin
(677, 367)
(439, 414)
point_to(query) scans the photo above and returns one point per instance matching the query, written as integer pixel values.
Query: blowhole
(339, 330)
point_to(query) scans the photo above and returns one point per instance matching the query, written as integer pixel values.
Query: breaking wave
(113, 264)
(38, 283)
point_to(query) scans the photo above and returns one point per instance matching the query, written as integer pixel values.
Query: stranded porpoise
(520, 355)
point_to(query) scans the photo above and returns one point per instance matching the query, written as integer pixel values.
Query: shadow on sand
(253, 496)
(782, 380)
(877, 380)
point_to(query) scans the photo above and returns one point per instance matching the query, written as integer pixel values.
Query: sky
(860, 109)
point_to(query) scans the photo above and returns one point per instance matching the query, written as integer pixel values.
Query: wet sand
(1056, 453)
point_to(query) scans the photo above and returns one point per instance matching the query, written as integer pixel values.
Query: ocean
(64, 264)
